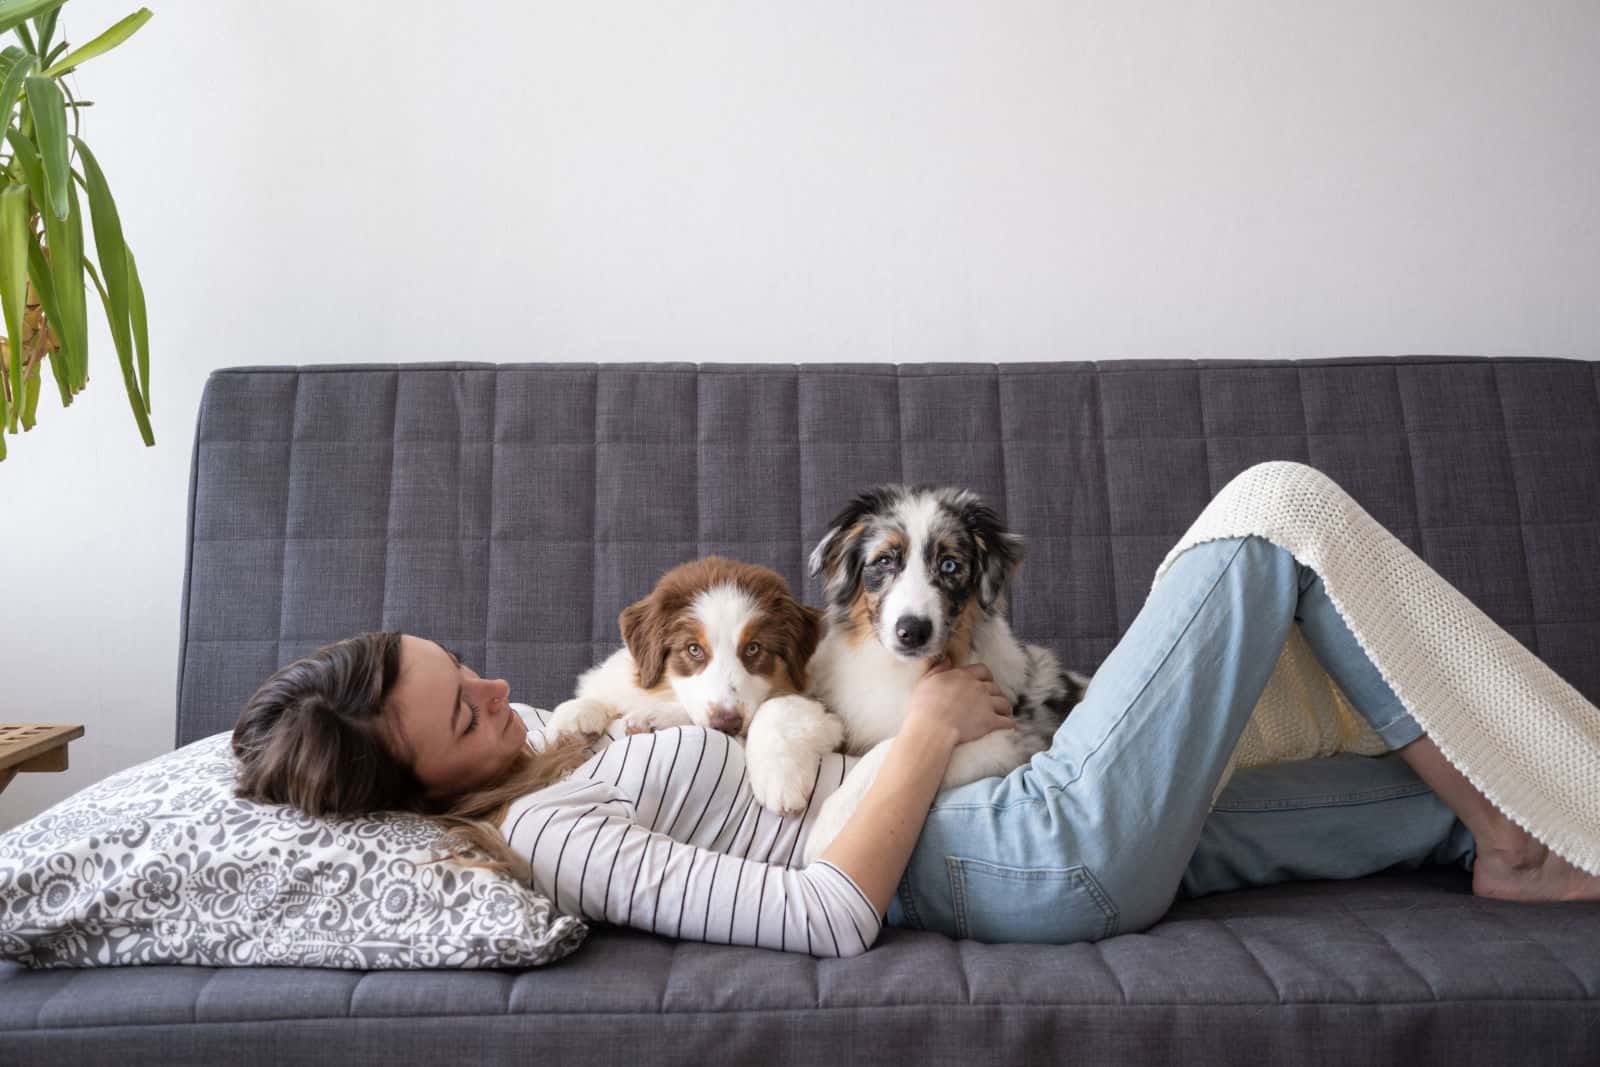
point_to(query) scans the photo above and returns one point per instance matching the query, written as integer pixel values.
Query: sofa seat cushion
(1241, 977)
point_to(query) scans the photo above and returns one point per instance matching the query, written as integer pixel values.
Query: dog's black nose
(912, 631)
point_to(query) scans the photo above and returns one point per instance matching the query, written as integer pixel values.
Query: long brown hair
(315, 735)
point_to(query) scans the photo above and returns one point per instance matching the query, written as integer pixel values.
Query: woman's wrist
(926, 731)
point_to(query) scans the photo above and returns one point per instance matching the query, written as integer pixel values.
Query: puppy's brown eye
(695, 651)
(753, 648)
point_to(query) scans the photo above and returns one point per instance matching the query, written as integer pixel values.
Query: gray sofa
(513, 510)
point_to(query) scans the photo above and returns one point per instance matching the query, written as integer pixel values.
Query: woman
(1094, 837)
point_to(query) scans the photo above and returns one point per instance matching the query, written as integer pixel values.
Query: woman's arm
(947, 707)
(592, 857)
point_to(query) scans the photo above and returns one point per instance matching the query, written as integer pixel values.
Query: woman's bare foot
(1516, 867)
(1510, 865)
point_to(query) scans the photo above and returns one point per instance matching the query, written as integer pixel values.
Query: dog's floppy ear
(802, 632)
(996, 551)
(837, 557)
(645, 633)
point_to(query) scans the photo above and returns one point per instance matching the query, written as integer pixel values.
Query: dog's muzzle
(912, 632)
(729, 720)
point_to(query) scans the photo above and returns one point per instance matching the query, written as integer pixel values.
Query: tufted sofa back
(511, 511)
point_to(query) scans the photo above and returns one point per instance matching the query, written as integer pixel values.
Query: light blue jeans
(1098, 834)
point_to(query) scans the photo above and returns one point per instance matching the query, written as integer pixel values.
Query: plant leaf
(30, 399)
(14, 284)
(49, 111)
(112, 252)
(44, 285)
(15, 12)
(141, 328)
(127, 372)
(69, 315)
(11, 88)
(67, 271)
(46, 26)
(8, 59)
(58, 367)
(25, 157)
(101, 44)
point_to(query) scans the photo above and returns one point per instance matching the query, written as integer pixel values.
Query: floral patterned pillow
(161, 863)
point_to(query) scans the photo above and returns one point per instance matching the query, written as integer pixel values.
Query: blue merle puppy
(913, 574)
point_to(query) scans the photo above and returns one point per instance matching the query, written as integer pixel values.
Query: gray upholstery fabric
(512, 511)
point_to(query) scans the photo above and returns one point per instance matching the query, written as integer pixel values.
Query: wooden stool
(33, 748)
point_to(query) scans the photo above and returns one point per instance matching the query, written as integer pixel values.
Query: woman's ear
(646, 638)
(997, 552)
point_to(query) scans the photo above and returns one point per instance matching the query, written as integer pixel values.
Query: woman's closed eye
(472, 720)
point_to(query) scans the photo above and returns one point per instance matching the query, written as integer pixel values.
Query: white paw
(580, 715)
(783, 784)
(787, 739)
(830, 819)
(653, 717)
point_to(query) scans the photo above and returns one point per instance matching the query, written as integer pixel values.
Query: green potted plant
(44, 268)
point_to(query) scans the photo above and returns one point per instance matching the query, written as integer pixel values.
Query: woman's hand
(947, 707)
(962, 699)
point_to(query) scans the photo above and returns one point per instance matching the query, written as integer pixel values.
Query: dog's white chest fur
(867, 685)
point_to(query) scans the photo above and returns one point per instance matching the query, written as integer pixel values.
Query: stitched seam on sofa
(594, 521)
(1044, 366)
(1105, 485)
(1433, 526)
(986, 1007)
(1360, 435)
(1100, 954)
(1205, 440)
(1516, 497)
(188, 564)
(1277, 990)
(1523, 933)
(1001, 423)
(388, 504)
(488, 521)
(199, 995)
(288, 503)
(1305, 414)
(1381, 936)
(1411, 462)
(699, 486)
(900, 422)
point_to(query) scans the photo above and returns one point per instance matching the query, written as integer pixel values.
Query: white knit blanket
(1513, 727)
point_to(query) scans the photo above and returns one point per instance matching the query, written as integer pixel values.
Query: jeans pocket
(1052, 905)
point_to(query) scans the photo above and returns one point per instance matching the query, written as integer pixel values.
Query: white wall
(898, 180)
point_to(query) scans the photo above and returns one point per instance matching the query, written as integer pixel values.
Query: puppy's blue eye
(948, 566)
(885, 560)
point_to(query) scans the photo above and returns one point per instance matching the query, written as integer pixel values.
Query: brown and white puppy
(914, 574)
(724, 645)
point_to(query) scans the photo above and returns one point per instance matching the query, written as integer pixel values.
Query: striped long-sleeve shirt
(660, 831)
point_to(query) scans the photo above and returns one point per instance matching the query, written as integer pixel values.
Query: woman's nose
(497, 689)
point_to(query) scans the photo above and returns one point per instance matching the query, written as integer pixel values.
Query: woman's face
(459, 728)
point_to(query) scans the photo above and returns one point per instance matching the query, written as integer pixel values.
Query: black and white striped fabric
(660, 832)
